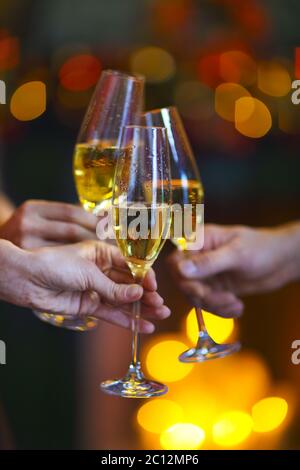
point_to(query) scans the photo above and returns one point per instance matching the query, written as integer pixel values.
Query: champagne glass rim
(119, 73)
(159, 110)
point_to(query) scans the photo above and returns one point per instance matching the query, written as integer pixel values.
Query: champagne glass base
(129, 388)
(74, 323)
(209, 351)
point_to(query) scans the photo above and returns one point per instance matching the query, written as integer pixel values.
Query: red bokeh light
(80, 72)
(9, 51)
(297, 62)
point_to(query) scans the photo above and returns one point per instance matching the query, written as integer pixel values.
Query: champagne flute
(117, 101)
(141, 218)
(187, 189)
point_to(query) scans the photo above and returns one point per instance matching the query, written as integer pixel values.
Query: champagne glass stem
(200, 321)
(134, 371)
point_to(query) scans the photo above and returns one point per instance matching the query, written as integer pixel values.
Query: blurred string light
(269, 413)
(155, 63)
(194, 100)
(208, 69)
(252, 117)
(226, 96)
(9, 51)
(80, 72)
(171, 15)
(219, 328)
(28, 101)
(157, 415)
(273, 78)
(216, 398)
(232, 428)
(182, 436)
(162, 360)
(237, 67)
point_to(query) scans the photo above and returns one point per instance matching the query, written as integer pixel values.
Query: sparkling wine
(185, 192)
(141, 231)
(94, 166)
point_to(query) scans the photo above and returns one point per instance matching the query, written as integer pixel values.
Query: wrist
(290, 248)
(14, 274)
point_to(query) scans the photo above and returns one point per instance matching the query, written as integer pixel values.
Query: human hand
(88, 278)
(37, 224)
(236, 261)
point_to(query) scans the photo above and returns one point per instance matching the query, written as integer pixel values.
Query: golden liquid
(140, 251)
(186, 192)
(94, 167)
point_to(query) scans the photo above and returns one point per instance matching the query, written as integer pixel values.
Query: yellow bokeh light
(156, 64)
(252, 117)
(219, 328)
(162, 361)
(226, 96)
(182, 436)
(232, 428)
(159, 414)
(273, 79)
(238, 67)
(28, 101)
(269, 413)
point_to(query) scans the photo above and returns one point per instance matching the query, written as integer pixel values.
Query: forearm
(290, 248)
(14, 274)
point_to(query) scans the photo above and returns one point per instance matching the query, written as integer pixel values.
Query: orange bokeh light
(273, 79)
(226, 96)
(28, 101)
(238, 67)
(80, 72)
(252, 117)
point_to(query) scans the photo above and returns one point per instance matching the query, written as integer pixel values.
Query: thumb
(111, 291)
(208, 263)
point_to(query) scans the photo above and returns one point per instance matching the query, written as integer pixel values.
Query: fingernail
(148, 328)
(133, 291)
(187, 268)
(166, 312)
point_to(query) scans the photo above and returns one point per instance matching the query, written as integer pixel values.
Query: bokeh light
(273, 79)
(162, 361)
(157, 415)
(194, 100)
(269, 413)
(252, 117)
(297, 62)
(9, 51)
(226, 96)
(219, 328)
(156, 64)
(232, 428)
(28, 101)
(208, 69)
(170, 15)
(237, 67)
(80, 72)
(182, 436)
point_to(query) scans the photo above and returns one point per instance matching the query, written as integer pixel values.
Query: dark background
(250, 181)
